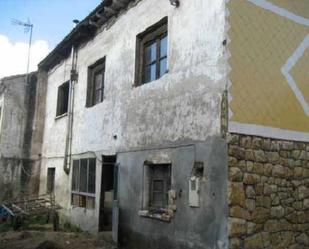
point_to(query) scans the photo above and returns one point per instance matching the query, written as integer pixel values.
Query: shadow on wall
(18, 177)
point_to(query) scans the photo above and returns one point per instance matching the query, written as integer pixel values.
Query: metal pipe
(29, 49)
(69, 137)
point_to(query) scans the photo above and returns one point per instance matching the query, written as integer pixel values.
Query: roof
(10, 77)
(84, 31)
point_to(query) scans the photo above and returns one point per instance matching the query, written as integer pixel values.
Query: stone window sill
(61, 116)
(163, 214)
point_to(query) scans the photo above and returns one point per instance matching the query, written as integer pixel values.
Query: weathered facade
(22, 109)
(180, 124)
(172, 121)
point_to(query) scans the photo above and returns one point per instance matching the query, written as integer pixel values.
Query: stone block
(239, 212)
(242, 165)
(232, 161)
(306, 203)
(251, 178)
(249, 155)
(260, 156)
(275, 201)
(237, 152)
(292, 217)
(303, 192)
(283, 153)
(275, 146)
(267, 189)
(298, 205)
(245, 142)
(257, 143)
(233, 139)
(298, 172)
(237, 227)
(278, 171)
(296, 154)
(277, 212)
(250, 205)
(259, 188)
(258, 168)
(273, 226)
(268, 167)
(254, 242)
(250, 192)
(287, 145)
(260, 215)
(306, 173)
(249, 166)
(303, 239)
(263, 201)
(236, 194)
(272, 156)
(266, 144)
(234, 243)
(235, 174)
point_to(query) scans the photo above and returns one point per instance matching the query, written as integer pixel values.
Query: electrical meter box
(194, 191)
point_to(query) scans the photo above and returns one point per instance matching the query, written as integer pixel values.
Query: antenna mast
(28, 27)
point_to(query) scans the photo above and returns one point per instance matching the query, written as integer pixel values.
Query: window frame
(155, 33)
(61, 99)
(93, 70)
(84, 196)
(167, 185)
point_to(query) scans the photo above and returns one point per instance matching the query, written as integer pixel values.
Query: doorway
(50, 180)
(108, 190)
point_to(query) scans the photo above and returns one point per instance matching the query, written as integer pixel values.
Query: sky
(52, 20)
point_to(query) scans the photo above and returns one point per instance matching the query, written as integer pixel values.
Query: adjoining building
(21, 128)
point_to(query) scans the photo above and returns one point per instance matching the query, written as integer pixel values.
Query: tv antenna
(27, 27)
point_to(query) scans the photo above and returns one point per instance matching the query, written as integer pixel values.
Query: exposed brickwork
(268, 193)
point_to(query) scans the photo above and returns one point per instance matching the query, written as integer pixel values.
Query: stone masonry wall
(268, 193)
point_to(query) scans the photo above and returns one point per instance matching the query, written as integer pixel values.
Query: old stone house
(182, 124)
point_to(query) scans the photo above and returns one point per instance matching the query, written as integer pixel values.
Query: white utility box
(194, 191)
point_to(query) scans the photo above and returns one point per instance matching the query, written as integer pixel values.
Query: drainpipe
(68, 142)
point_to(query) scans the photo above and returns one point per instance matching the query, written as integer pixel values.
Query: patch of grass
(5, 227)
(68, 227)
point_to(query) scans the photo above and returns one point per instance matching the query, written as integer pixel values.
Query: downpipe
(69, 136)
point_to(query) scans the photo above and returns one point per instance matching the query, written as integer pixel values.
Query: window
(83, 183)
(63, 98)
(159, 199)
(151, 59)
(50, 180)
(95, 89)
(158, 184)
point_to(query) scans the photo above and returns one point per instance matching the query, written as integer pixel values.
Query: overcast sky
(52, 21)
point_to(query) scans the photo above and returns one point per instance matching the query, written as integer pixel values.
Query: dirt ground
(51, 240)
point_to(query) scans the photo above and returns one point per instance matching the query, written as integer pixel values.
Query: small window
(157, 184)
(151, 58)
(63, 99)
(95, 89)
(83, 183)
(50, 180)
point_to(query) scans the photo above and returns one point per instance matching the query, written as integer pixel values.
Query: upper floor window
(63, 99)
(95, 89)
(151, 60)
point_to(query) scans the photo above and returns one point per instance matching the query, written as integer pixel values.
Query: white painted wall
(182, 106)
